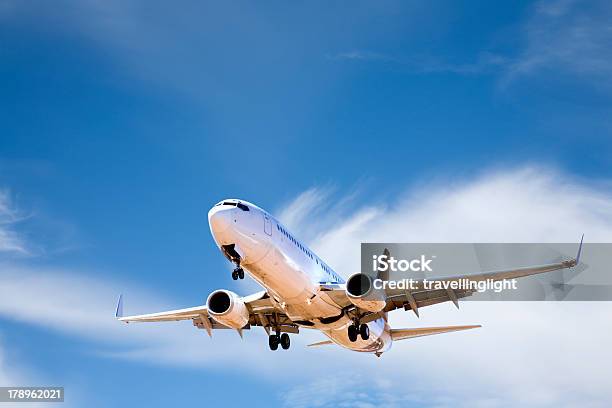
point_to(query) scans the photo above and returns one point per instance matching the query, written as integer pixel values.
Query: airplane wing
(420, 296)
(413, 299)
(171, 315)
(261, 307)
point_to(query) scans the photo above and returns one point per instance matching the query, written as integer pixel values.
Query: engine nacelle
(228, 309)
(361, 292)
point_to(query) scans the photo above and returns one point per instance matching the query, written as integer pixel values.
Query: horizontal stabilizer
(402, 334)
(321, 343)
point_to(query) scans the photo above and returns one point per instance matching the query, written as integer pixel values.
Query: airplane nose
(220, 218)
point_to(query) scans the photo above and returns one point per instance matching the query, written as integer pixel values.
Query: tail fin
(402, 334)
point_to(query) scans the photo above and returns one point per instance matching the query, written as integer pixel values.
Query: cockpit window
(234, 204)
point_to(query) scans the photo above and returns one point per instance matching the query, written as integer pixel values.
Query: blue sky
(122, 123)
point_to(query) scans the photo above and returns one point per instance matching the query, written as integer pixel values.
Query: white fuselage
(291, 273)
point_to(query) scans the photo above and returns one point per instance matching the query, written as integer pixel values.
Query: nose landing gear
(233, 256)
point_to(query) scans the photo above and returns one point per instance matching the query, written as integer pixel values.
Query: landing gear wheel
(352, 333)
(285, 342)
(364, 331)
(273, 341)
(234, 275)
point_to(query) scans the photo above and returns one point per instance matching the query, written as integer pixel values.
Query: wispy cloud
(489, 207)
(80, 305)
(304, 205)
(558, 36)
(11, 243)
(527, 204)
(316, 203)
(567, 35)
(360, 55)
(323, 392)
(486, 62)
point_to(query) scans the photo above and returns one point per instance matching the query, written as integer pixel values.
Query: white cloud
(305, 204)
(13, 371)
(526, 354)
(316, 203)
(81, 305)
(528, 204)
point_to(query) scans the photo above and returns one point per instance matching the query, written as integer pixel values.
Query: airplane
(304, 292)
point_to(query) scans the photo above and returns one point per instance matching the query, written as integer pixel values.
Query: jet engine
(361, 292)
(228, 309)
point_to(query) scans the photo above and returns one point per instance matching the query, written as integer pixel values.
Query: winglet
(579, 250)
(119, 310)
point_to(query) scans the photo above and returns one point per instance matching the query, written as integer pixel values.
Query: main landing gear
(275, 339)
(238, 273)
(356, 329)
